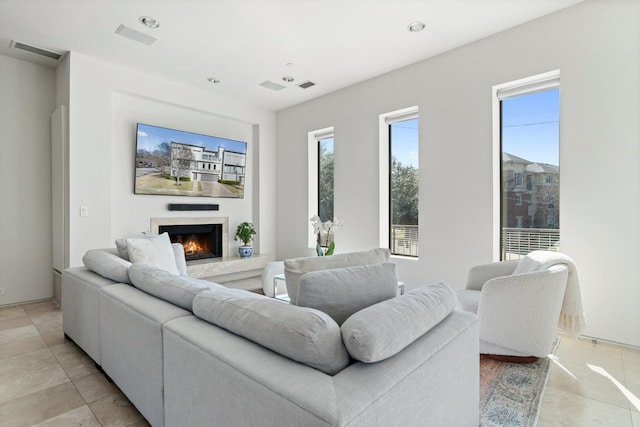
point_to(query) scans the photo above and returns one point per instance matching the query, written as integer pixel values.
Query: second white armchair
(518, 312)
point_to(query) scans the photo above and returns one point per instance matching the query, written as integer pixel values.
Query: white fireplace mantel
(221, 266)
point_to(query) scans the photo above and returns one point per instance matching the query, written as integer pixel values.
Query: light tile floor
(592, 384)
(46, 380)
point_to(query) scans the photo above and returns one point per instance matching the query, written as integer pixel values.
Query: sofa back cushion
(178, 290)
(302, 334)
(294, 268)
(384, 329)
(107, 263)
(340, 292)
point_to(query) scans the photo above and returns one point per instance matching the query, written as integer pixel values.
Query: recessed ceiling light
(288, 79)
(213, 80)
(416, 27)
(149, 22)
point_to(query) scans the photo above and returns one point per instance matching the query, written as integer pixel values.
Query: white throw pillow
(155, 251)
(121, 244)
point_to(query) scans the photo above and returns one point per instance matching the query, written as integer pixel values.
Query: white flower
(326, 227)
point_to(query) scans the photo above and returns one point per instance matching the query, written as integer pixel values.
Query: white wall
(27, 98)
(596, 46)
(106, 102)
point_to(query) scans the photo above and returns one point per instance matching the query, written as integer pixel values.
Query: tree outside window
(404, 191)
(325, 179)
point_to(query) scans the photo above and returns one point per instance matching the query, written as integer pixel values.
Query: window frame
(313, 149)
(384, 167)
(528, 85)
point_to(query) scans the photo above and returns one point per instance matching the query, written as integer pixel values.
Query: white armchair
(518, 312)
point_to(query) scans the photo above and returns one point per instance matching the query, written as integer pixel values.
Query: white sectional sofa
(189, 352)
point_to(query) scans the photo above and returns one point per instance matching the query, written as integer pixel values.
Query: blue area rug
(510, 393)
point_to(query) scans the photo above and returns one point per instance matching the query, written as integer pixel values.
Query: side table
(279, 278)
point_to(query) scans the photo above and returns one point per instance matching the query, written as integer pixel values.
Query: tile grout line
(64, 370)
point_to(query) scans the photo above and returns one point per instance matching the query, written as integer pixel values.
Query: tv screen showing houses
(172, 162)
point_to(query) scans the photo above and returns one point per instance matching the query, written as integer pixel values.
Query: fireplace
(200, 241)
(202, 238)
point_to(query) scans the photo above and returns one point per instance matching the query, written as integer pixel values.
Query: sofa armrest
(422, 377)
(479, 274)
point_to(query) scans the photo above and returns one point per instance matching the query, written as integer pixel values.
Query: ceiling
(242, 43)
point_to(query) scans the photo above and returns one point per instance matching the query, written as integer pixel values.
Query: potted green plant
(245, 233)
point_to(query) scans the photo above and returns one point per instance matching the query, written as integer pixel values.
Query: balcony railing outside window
(517, 242)
(404, 240)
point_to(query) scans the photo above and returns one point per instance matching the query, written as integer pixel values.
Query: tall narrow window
(403, 185)
(320, 178)
(529, 153)
(325, 179)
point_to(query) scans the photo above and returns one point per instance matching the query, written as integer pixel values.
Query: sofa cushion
(178, 290)
(155, 251)
(303, 334)
(107, 263)
(294, 268)
(384, 329)
(340, 292)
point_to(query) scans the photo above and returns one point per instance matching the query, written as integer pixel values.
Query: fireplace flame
(192, 247)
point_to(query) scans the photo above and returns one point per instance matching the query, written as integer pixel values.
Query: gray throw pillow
(107, 263)
(302, 334)
(383, 330)
(178, 290)
(340, 292)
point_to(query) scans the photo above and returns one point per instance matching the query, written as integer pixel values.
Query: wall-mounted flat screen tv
(172, 162)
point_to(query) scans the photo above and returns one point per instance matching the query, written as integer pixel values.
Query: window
(321, 184)
(325, 179)
(529, 141)
(399, 194)
(518, 179)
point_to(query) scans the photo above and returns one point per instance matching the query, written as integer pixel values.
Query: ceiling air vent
(132, 34)
(306, 85)
(36, 50)
(271, 85)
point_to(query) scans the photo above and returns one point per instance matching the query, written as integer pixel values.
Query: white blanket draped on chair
(572, 318)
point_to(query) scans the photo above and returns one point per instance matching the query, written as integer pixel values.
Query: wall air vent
(36, 50)
(306, 84)
(132, 34)
(271, 85)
